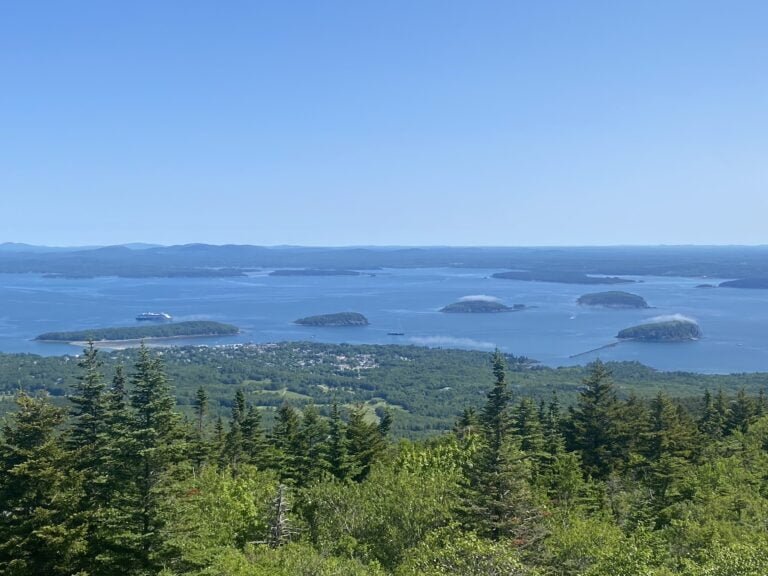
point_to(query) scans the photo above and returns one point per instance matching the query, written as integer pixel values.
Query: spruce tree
(596, 424)
(338, 455)
(498, 502)
(36, 494)
(156, 435)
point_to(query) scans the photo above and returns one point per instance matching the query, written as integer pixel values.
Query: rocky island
(664, 331)
(560, 277)
(192, 329)
(340, 319)
(613, 299)
(480, 306)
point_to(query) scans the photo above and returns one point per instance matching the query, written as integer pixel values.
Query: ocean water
(734, 322)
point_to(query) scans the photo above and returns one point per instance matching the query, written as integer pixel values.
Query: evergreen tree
(313, 438)
(712, 422)
(286, 439)
(338, 457)
(498, 502)
(156, 435)
(595, 424)
(364, 442)
(741, 414)
(233, 443)
(255, 449)
(36, 494)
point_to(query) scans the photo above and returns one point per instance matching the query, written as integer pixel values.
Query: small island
(753, 283)
(480, 306)
(340, 319)
(313, 272)
(193, 329)
(706, 286)
(665, 331)
(613, 299)
(560, 277)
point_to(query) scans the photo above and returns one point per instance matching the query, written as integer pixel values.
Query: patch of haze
(479, 298)
(673, 318)
(450, 341)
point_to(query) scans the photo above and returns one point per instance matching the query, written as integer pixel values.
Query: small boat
(155, 316)
(395, 333)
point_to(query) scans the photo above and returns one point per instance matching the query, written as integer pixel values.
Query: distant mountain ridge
(569, 264)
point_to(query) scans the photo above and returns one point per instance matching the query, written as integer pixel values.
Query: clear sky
(384, 122)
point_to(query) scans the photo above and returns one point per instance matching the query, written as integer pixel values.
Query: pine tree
(596, 424)
(364, 442)
(255, 449)
(200, 449)
(338, 458)
(711, 423)
(36, 494)
(498, 502)
(742, 413)
(313, 439)
(156, 435)
(286, 439)
(233, 443)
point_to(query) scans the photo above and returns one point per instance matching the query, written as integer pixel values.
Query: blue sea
(734, 322)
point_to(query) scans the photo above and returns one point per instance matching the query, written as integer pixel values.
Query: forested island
(339, 319)
(613, 299)
(313, 272)
(479, 306)
(189, 329)
(666, 331)
(563, 277)
(754, 283)
(113, 480)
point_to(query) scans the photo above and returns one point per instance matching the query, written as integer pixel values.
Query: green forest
(113, 479)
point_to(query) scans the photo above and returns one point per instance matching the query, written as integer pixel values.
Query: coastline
(132, 342)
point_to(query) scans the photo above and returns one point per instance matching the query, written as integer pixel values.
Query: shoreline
(131, 342)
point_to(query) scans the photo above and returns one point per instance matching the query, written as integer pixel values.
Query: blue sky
(384, 122)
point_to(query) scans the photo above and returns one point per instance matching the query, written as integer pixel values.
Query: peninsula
(560, 277)
(313, 272)
(755, 283)
(339, 319)
(193, 329)
(665, 331)
(613, 299)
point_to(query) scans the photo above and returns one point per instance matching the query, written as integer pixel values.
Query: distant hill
(577, 265)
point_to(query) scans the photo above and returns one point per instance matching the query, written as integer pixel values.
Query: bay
(402, 300)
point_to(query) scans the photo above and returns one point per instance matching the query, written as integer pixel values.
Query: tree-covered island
(560, 277)
(613, 299)
(480, 306)
(665, 331)
(339, 319)
(190, 329)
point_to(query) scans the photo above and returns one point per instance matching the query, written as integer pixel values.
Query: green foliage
(167, 330)
(124, 485)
